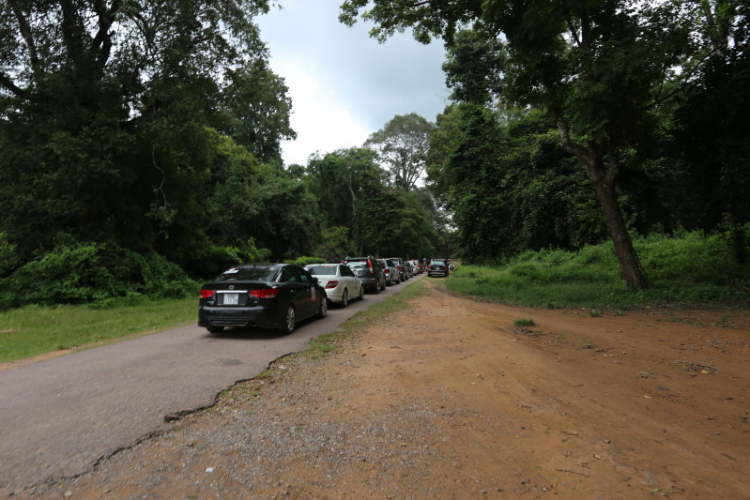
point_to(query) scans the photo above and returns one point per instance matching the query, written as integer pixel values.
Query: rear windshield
(248, 274)
(356, 264)
(322, 270)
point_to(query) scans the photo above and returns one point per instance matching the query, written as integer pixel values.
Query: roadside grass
(35, 330)
(324, 344)
(692, 270)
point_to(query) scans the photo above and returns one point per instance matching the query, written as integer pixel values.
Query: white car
(339, 281)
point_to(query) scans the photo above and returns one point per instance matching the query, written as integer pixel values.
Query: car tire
(290, 320)
(345, 298)
(215, 329)
(361, 293)
(376, 290)
(323, 311)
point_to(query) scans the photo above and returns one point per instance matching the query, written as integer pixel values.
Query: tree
(257, 110)
(402, 147)
(597, 67)
(108, 111)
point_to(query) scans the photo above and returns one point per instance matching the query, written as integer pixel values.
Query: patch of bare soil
(450, 400)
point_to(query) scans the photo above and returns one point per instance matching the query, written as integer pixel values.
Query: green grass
(35, 330)
(693, 270)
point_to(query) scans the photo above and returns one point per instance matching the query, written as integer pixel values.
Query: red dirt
(449, 399)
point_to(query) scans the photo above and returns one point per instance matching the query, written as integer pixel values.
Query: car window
(248, 274)
(321, 270)
(302, 276)
(345, 271)
(288, 275)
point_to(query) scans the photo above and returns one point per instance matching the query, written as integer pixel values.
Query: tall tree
(597, 67)
(402, 146)
(105, 115)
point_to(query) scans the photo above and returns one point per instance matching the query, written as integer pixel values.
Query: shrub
(80, 273)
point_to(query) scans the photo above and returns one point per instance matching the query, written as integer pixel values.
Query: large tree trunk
(604, 184)
(604, 180)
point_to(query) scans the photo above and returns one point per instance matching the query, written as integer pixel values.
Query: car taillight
(386, 271)
(205, 294)
(429, 267)
(264, 293)
(369, 266)
(332, 284)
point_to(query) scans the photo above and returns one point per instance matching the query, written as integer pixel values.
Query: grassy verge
(320, 346)
(693, 270)
(35, 330)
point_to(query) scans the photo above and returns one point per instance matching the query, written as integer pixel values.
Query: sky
(344, 85)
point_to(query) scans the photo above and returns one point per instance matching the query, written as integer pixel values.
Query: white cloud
(344, 85)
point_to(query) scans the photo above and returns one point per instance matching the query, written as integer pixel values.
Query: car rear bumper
(369, 283)
(239, 317)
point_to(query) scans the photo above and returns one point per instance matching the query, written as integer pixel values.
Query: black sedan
(438, 267)
(261, 295)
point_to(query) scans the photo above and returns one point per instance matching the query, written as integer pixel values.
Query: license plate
(231, 299)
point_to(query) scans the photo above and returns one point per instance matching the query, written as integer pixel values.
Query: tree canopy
(601, 69)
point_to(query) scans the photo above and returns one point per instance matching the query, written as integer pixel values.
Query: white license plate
(231, 299)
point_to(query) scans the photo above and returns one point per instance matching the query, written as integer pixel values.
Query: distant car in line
(392, 276)
(405, 272)
(261, 295)
(369, 271)
(339, 282)
(438, 267)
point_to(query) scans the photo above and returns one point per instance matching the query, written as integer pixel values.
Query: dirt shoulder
(449, 400)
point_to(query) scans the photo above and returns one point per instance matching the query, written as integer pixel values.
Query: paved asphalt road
(59, 417)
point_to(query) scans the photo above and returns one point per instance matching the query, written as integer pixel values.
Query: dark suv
(369, 271)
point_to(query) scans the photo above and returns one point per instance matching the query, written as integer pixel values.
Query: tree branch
(6, 82)
(28, 38)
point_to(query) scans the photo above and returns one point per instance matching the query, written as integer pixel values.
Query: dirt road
(450, 400)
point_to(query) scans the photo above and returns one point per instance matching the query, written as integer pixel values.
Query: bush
(81, 273)
(306, 261)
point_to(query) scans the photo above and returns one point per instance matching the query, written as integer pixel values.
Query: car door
(308, 301)
(295, 290)
(350, 280)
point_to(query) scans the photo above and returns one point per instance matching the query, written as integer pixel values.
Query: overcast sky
(344, 85)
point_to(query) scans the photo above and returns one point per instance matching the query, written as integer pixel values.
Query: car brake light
(332, 284)
(264, 293)
(386, 271)
(205, 294)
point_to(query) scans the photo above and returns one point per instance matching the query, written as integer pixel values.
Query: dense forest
(140, 141)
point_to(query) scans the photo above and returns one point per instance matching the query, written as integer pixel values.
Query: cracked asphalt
(59, 417)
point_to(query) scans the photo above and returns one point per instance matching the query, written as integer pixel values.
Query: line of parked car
(278, 296)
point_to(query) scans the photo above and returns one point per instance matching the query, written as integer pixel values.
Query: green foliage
(402, 146)
(80, 273)
(690, 270)
(335, 244)
(306, 261)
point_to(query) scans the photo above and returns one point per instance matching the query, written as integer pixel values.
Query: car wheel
(323, 311)
(290, 320)
(345, 298)
(376, 290)
(361, 293)
(215, 329)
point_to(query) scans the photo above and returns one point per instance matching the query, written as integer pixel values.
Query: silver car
(392, 276)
